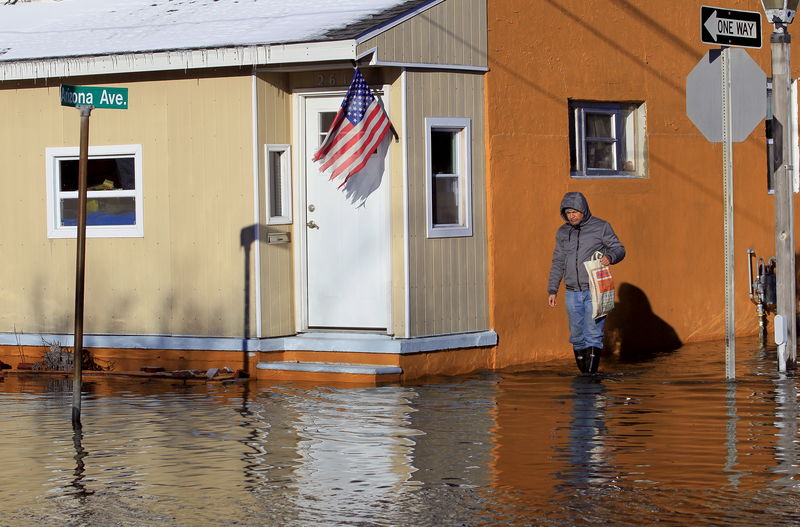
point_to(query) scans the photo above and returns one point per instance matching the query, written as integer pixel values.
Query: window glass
(325, 122)
(102, 174)
(445, 200)
(114, 194)
(276, 182)
(599, 125)
(100, 211)
(600, 155)
(443, 152)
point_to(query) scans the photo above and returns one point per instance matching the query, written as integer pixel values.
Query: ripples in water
(665, 441)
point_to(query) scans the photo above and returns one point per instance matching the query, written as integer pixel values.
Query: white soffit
(244, 57)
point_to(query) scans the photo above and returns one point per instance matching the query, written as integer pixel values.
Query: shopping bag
(601, 286)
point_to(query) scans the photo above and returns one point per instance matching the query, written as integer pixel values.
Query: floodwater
(663, 441)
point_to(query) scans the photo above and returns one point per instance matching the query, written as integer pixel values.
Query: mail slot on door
(278, 237)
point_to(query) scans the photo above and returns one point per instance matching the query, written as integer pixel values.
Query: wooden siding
(448, 275)
(453, 32)
(277, 270)
(186, 275)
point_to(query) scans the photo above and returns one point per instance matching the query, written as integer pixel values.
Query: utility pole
(784, 198)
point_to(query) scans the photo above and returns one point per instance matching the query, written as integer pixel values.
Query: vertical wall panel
(277, 270)
(448, 275)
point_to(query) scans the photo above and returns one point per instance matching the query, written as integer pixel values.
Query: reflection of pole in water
(731, 458)
(77, 482)
(786, 415)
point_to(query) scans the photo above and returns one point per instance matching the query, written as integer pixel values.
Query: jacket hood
(577, 201)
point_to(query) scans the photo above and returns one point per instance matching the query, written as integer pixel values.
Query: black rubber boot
(593, 359)
(582, 359)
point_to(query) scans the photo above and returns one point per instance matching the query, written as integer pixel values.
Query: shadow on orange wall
(634, 331)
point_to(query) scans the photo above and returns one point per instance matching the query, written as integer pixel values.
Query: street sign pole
(85, 99)
(726, 99)
(784, 203)
(727, 195)
(80, 266)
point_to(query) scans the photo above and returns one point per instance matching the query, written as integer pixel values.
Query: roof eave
(182, 59)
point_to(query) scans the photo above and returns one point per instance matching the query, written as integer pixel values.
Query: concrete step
(333, 371)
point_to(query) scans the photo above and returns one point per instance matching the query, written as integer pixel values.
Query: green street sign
(95, 96)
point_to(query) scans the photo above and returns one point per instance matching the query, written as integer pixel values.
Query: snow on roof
(75, 28)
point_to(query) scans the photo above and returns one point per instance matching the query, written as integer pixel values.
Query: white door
(346, 246)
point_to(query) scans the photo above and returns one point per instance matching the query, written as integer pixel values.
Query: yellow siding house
(213, 238)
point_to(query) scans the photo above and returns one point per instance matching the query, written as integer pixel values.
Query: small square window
(607, 139)
(449, 178)
(278, 184)
(114, 192)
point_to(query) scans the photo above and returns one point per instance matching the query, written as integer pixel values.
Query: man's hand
(551, 300)
(605, 260)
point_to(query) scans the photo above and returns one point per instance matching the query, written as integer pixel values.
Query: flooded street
(663, 441)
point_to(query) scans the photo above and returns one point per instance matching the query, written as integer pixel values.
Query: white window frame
(629, 139)
(286, 184)
(54, 196)
(463, 129)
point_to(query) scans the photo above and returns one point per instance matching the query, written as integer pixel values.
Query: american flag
(358, 128)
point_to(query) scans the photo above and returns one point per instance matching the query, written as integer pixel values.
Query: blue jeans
(584, 331)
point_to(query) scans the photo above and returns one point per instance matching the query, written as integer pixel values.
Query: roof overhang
(186, 59)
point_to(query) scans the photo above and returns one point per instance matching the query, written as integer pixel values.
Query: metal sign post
(727, 200)
(84, 99)
(80, 266)
(726, 99)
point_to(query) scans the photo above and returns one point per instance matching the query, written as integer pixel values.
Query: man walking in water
(576, 242)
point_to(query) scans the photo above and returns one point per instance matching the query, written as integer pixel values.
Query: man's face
(574, 217)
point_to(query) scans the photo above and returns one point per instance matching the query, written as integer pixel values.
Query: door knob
(312, 225)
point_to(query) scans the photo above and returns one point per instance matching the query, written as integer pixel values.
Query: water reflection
(586, 447)
(731, 443)
(77, 484)
(664, 441)
(786, 415)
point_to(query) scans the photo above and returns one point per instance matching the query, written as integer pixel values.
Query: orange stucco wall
(671, 285)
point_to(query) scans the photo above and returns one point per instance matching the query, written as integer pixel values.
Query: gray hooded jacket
(576, 244)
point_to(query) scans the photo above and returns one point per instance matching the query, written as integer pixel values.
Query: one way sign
(726, 27)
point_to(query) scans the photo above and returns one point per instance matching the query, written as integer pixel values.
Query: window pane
(325, 122)
(102, 174)
(600, 155)
(100, 211)
(599, 125)
(445, 201)
(275, 183)
(443, 152)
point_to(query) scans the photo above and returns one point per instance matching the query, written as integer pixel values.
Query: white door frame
(299, 97)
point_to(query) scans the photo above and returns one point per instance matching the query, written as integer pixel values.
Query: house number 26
(323, 80)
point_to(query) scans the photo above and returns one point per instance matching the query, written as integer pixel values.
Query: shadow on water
(634, 330)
